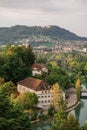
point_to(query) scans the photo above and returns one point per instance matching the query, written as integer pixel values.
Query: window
(45, 91)
(48, 91)
(41, 101)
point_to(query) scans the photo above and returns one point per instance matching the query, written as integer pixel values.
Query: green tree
(2, 81)
(10, 88)
(60, 117)
(85, 69)
(57, 75)
(24, 121)
(27, 100)
(5, 105)
(49, 67)
(63, 122)
(29, 57)
(12, 117)
(51, 110)
(71, 123)
(17, 63)
(41, 60)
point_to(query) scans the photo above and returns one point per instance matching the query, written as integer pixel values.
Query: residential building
(85, 50)
(38, 69)
(37, 86)
(40, 88)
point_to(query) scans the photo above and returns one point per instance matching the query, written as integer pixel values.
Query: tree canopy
(17, 62)
(12, 117)
(27, 100)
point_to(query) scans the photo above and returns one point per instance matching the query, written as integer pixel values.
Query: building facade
(38, 69)
(39, 87)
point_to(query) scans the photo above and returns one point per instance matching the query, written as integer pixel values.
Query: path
(72, 99)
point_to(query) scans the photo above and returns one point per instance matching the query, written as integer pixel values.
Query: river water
(80, 113)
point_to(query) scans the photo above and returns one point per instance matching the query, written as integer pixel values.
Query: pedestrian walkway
(72, 99)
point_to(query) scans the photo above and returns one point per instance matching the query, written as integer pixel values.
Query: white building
(38, 69)
(40, 88)
(84, 49)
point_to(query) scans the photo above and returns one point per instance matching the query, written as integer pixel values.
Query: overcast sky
(68, 14)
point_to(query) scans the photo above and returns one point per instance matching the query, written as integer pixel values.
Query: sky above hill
(68, 14)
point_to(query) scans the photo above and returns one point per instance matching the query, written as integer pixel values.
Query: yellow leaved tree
(78, 88)
(57, 95)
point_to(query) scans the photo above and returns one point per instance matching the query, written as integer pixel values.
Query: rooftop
(38, 66)
(35, 84)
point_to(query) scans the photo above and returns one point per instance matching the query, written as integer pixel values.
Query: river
(80, 113)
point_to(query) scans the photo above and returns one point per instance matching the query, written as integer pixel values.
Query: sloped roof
(38, 66)
(35, 84)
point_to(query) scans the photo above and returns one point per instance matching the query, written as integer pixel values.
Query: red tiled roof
(38, 66)
(35, 84)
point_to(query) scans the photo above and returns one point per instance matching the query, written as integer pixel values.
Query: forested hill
(15, 33)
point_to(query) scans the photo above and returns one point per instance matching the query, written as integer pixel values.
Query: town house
(38, 69)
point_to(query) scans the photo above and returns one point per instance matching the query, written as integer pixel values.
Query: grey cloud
(22, 3)
(66, 13)
(44, 6)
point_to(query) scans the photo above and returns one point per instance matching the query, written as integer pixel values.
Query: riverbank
(72, 101)
(73, 107)
(80, 113)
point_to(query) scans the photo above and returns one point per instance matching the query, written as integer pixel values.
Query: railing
(84, 93)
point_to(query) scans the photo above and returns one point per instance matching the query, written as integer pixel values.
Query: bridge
(84, 93)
